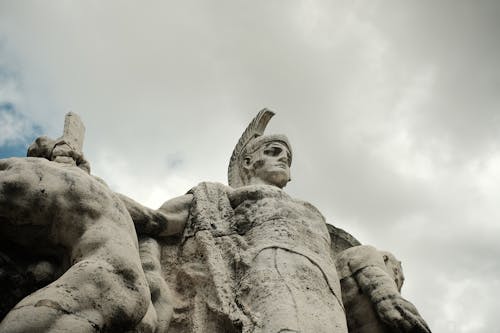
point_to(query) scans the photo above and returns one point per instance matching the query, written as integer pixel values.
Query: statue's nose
(283, 157)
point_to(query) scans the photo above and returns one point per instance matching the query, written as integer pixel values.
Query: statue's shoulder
(310, 207)
(341, 239)
(210, 186)
(29, 166)
(11, 162)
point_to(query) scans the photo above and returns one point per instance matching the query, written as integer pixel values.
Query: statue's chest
(281, 222)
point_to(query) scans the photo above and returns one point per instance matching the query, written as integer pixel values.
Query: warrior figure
(253, 259)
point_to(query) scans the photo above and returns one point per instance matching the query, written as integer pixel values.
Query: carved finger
(412, 320)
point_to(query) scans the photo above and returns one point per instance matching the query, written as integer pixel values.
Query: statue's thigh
(288, 292)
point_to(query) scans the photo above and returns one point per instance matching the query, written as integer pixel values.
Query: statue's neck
(259, 181)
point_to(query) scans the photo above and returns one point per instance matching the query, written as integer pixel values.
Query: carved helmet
(251, 140)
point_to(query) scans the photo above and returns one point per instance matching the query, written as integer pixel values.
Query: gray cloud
(391, 107)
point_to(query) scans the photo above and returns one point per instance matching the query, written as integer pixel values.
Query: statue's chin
(276, 176)
(279, 179)
(281, 183)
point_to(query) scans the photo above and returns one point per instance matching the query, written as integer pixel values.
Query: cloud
(391, 108)
(15, 127)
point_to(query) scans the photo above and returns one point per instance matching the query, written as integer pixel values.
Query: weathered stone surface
(159, 313)
(57, 210)
(253, 260)
(67, 149)
(245, 258)
(340, 239)
(371, 282)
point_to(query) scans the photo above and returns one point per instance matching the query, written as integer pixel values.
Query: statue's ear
(247, 163)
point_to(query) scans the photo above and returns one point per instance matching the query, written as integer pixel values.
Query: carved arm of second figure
(169, 220)
(371, 282)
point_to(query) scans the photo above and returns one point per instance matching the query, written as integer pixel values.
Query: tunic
(256, 260)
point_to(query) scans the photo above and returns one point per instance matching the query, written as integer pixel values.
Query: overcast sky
(392, 108)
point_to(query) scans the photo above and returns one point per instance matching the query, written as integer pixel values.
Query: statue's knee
(123, 287)
(131, 292)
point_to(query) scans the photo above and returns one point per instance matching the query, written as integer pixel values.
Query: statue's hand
(401, 315)
(42, 147)
(64, 153)
(58, 151)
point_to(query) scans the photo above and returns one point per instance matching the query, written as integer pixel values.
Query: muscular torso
(39, 197)
(267, 216)
(290, 265)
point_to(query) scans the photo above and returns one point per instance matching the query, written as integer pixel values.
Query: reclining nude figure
(52, 206)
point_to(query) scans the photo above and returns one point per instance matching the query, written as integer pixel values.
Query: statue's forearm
(147, 221)
(392, 309)
(169, 220)
(176, 211)
(376, 284)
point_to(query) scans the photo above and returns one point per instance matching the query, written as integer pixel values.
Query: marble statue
(239, 258)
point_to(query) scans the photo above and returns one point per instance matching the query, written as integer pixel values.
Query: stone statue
(243, 258)
(371, 283)
(68, 229)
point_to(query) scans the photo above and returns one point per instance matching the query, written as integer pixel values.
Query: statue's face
(271, 165)
(394, 269)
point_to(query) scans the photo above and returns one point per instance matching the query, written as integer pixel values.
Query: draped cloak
(253, 259)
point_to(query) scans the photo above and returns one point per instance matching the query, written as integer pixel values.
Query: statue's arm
(391, 307)
(170, 219)
(177, 212)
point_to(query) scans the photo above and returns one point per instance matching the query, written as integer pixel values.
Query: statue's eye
(273, 151)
